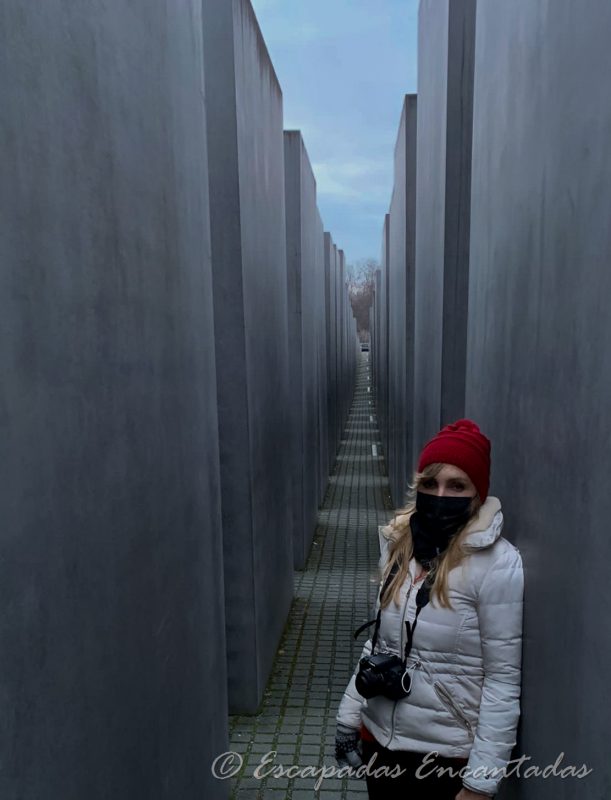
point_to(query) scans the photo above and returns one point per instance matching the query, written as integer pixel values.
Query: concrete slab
(539, 366)
(112, 634)
(383, 338)
(331, 337)
(446, 44)
(245, 137)
(401, 276)
(304, 295)
(322, 357)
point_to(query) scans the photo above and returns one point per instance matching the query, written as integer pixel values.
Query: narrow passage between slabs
(334, 594)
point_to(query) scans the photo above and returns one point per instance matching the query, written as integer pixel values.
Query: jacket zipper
(458, 712)
(392, 719)
(446, 697)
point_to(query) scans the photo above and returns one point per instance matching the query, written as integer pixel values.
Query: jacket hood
(485, 528)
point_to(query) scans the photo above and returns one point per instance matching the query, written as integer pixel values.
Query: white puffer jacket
(465, 662)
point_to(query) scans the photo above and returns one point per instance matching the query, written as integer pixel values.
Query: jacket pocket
(447, 699)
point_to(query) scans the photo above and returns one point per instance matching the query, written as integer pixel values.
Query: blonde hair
(401, 548)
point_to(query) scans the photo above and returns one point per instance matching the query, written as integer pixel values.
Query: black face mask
(434, 522)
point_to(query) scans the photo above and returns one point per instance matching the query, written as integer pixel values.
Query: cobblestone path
(334, 594)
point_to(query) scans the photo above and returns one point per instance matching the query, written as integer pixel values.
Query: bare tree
(361, 283)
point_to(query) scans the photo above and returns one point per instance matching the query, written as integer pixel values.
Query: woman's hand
(348, 747)
(468, 794)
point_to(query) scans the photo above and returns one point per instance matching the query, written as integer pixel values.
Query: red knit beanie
(462, 444)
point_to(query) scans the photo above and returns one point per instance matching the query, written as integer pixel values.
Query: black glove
(348, 747)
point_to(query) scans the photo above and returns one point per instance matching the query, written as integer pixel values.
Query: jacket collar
(485, 528)
(481, 532)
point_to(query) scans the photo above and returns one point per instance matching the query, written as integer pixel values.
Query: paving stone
(251, 783)
(284, 731)
(309, 749)
(247, 794)
(311, 739)
(286, 748)
(259, 746)
(239, 747)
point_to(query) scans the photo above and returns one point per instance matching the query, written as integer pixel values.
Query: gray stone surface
(337, 388)
(401, 277)
(446, 39)
(339, 341)
(374, 349)
(112, 662)
(350, 343)
(305, 294)
(247, 213)
(457, 216)
(383, 349)
(347, 386)
(331, 337)
(342, 343)
(324, 467)
(539, 366)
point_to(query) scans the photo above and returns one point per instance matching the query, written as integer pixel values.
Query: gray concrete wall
(351, 344)
(457, 217)
(539, 362)
(383, 364)
(341, 342)
(304, 296)
(338, 345)
(375, 341)
(354, 349)
(401, 276)
(322, 359)
(411, 182)
(341, 350)
(112, 645)
(247, 212)
(331, 337)
(446, 32)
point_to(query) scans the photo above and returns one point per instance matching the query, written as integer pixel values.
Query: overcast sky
(344, 67)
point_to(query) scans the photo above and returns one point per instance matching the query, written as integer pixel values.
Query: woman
(449, 684)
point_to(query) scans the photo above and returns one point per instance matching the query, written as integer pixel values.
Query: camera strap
(391, 575)
(422, 598)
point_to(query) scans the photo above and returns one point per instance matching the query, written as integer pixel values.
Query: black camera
(383, 674)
